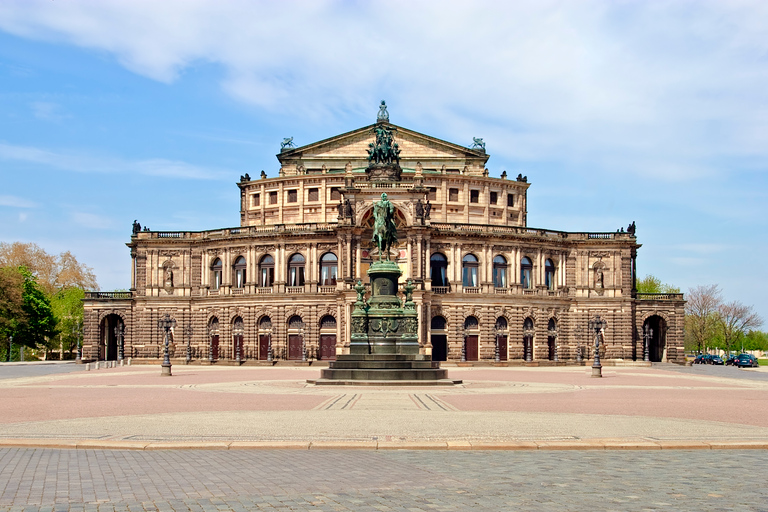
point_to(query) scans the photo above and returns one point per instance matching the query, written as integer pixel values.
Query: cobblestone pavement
(284, 480)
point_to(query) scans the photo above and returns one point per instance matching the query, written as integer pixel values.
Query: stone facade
(280, 286)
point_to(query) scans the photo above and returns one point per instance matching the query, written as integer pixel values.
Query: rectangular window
(494, 198)
(293, 196)
(335, 194)
(474, 196)
(432, 194)
(313, 194)
(453, 194)
(256, 200)
(510, 199)
(273, 198)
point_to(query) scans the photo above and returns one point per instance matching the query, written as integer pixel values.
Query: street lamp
(303, 344)
(553, 334)
(166, 323)
(269, 345)
(497, 355)
(598, 324)
(238, 333)
(188, 331)
(119, 334)
(647, 335)
(578, 332)
(211, 334)
(528, 337)
(77, 332)
(464, 346)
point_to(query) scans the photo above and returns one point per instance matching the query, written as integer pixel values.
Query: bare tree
(734, 319)
(52, 272)
(701, 310)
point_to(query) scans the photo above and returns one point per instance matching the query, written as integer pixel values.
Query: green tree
(734, 320)
(67, 305)
(756, 340)
(652, 284)
(38, 323)
(11, 306)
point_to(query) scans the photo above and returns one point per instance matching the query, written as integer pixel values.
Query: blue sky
(655, 112)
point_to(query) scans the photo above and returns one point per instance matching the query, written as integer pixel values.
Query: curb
(585, 444)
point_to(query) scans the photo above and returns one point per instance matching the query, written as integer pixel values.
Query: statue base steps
(384, 370)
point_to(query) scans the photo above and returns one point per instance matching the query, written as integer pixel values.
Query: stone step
(384, 374)
(384, 365)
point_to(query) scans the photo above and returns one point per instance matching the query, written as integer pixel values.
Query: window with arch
(266, 271)
(239, 269)
(471, 323)
(528, 324)
(265, 324)
(328, 323)
(438, 265)
(328, 269)
(501, 324)
(549, 274)
(438, 323)
(469, 266)
(295, 322)
(499, 271)
(296, 270)
(216, 274)
(526, 269)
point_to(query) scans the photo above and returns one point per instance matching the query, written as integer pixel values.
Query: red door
(215, 346)
(294, 346)
(263, 346)
(471, 352)
(327, 347)
(502, 341)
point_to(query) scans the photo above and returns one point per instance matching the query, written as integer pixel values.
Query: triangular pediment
(335, 152)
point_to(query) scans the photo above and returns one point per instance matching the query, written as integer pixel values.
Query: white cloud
(76, 162)
(17, 202)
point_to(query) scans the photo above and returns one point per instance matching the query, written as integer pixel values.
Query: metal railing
(108, 295)
(660, 296)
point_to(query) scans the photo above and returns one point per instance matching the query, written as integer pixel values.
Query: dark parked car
(715, 360)
(746, 360)
(731, 361)
(701, 359)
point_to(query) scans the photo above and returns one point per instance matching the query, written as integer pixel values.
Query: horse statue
(384, 228)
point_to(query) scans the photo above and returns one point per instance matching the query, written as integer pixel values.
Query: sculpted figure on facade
(384, 228)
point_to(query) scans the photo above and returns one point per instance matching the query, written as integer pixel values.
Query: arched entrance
(439, 339)
(327, 350)
(238, 329)
(108, 333)
(213, 334)
(552, 340)
(265, 338)
(471, 329)
(657, 342)
(295, 337)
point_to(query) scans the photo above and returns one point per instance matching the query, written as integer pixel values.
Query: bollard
(87, 367)
(129, 361)
(121, 362)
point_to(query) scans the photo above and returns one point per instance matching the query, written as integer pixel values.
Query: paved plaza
(260, 438)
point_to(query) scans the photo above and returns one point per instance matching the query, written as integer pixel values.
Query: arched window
(239, 268)
(438, 269)
(471, 323)
(549, 274)
(216, 274)
(438, 323)
(499, 272)
(296, 270)
(501, 324)
(526, 268)
(328, 269)
(528, 324)
(266, 271)
(265, 324)
(469, 271)
(328, 323)
(295, 322)
(213, 326)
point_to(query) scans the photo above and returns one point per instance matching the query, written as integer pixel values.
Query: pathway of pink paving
(141, 390)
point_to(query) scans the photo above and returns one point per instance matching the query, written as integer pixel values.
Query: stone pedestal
(384, 346)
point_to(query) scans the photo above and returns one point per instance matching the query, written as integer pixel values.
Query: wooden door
(215, 346)
(439, 347)
(471, 352)
(551, 348)
(327, 347)
(294, 346)
(501, 339)
(263, 346)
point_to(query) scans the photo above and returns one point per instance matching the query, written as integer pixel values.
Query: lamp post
(77, 332)
(647, 335)
(211, 334)
(188, 331)
(598, 324)
(578, 332)
(303, 344)
(464, 346)
(119, 334)
(238, 333)
(553, 333)
(269, 345)
(528, 340)
(166, 323)
(497, 355)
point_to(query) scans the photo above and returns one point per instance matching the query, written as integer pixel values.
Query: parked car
(700, 359)
(746, 360)
(715, 360)
(731, 361)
